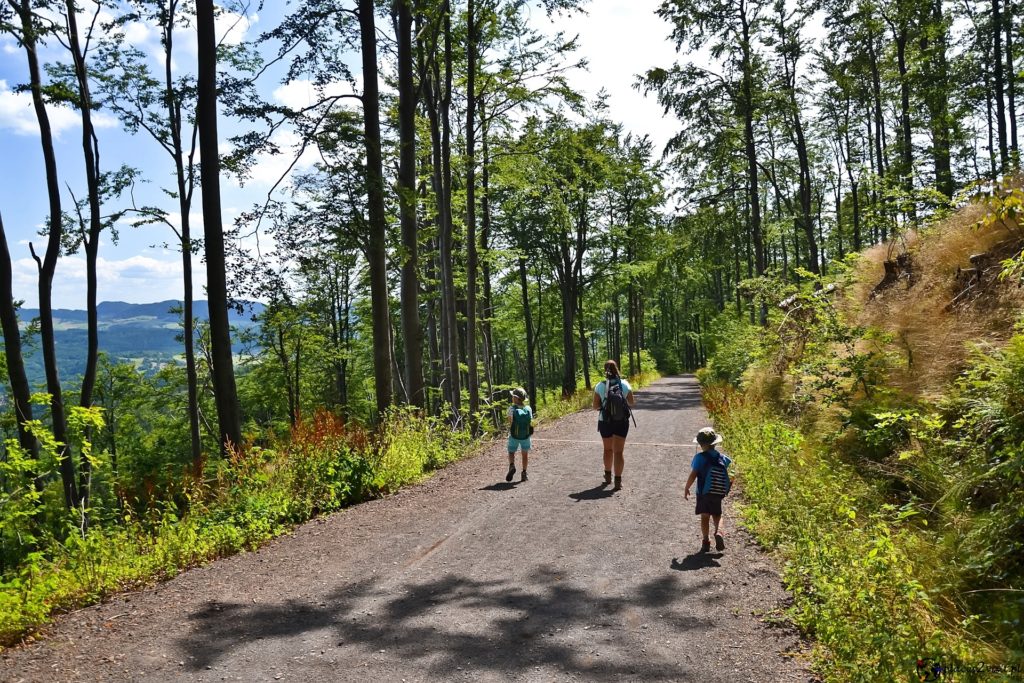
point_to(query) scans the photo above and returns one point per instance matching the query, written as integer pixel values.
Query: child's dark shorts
(709, 505)
(610, 429)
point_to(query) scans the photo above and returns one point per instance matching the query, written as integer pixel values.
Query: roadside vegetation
(878, 429)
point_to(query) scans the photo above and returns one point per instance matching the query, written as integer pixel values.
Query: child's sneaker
(705, 547)
(524, 478)
(511, 473)
(719, 543)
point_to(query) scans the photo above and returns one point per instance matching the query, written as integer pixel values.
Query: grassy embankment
(260, 494)
(879, 436)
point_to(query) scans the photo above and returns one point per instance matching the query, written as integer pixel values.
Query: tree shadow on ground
(696, 561)
(425, 624)
(596, 493)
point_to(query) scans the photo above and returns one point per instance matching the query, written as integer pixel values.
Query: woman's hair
(519, 393)
(611, 369)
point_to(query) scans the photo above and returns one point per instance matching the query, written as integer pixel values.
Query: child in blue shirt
(709, 506)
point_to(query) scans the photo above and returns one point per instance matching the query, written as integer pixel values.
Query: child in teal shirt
(520, 419)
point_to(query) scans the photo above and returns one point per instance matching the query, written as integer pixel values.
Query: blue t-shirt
(701, 463)
(602, 388)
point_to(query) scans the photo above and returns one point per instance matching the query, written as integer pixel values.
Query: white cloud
(621, 39)
(18, 115)
(232, 27)
(302, 93)
(139, 34)
(269, 168)
(136, 279)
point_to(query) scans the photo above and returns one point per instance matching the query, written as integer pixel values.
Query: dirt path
(465, 578)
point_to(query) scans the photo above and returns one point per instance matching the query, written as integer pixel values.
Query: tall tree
(163, 106)
(28, 28)
(377, 249)
(21, 392)
(473, 378)
(226, 394)
(999, 84)
(411, 332)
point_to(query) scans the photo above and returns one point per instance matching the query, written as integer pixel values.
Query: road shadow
(500, 486)
(696, 561)
(596, 493)
(424, 624)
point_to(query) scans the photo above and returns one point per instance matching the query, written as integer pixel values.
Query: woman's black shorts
(610, 429)
(709, 505)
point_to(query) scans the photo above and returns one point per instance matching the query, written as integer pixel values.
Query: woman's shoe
(511, 473)
(618, 484)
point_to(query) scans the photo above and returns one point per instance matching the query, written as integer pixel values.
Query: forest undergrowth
(878, 431)
(255, 495)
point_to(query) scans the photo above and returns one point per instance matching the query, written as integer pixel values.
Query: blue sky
(139, 268)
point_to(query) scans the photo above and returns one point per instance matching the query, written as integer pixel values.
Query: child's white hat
(707, 437)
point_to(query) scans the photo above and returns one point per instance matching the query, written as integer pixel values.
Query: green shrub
(852, 561)
(733, 346)
(257, 494)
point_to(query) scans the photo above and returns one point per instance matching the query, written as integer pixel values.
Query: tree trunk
(186, 183)
(90, 237)
(531, 341)
(1011, 78)
(471, 246)
(806, 222)
(907, 151)
(21, 391)
(938, 107)
(48, 264)
(754, 196)
(377, 248)
(584, 350)
(999, 84)
(449, 320)
(485, 233)
(411, 333)
(225, 393)
(876, 91)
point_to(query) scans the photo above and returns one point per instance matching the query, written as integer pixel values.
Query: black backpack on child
(719, 475)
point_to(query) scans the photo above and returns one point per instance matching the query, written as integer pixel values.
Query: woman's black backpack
(615, 407)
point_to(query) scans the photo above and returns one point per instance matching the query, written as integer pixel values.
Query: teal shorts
(514, 444)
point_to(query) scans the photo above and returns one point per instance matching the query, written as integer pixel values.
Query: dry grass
(931, 318)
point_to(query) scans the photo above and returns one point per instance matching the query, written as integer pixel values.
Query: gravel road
(467, 578)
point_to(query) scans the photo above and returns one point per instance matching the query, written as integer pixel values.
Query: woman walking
(613, 397)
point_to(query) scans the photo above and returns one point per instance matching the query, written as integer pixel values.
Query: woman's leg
(618, 446)
(526, 458)
(608, 453)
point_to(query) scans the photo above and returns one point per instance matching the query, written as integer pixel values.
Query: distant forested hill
(145, 334)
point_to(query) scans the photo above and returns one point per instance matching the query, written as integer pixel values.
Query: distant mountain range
(144, 334)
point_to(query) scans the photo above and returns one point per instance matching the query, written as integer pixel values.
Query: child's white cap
(707, 437)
